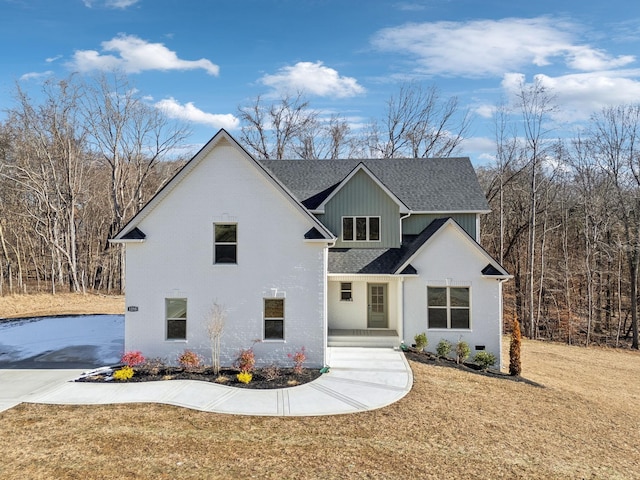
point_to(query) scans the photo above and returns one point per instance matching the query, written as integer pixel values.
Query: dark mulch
(263, 378)
(433, 359)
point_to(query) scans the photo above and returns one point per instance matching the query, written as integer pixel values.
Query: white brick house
(310, 253)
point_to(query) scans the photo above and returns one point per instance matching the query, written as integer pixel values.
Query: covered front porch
(365, 310)
(344, 337)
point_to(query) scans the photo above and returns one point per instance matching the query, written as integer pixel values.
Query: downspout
(500, 301)
(325, 345)
(401, 289)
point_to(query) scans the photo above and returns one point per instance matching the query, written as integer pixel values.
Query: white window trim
(222, 264)
(368, 217)
(448, 285)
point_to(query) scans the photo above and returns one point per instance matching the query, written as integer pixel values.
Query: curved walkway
(360, 379)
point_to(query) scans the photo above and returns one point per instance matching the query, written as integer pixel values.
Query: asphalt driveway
(72, 342)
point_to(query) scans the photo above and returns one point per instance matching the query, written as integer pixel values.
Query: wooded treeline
(76, 164)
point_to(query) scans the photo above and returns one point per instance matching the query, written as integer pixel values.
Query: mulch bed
(263, 378)
(433, 359)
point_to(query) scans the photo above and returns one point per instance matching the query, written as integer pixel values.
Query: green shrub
(462, 351)
(421, 341)
(485, 359)
(444, 348)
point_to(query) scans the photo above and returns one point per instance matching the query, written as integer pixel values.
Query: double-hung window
(225, 249)
(449, 307)
(176, 315)
(346, 292)
(361, 229)
(274, 318)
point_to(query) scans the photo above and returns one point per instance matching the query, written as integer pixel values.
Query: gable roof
(129, 230)
(397, 261)
(361, 167)
(431, 185)
(432, 230)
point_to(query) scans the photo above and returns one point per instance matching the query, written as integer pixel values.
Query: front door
(377, 303)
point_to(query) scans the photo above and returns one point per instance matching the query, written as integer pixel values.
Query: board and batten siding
(361, 196)
(414, 224)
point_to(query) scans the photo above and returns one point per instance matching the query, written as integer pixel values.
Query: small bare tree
(215, 327)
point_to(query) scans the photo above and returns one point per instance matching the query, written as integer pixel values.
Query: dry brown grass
(41, 304)
(453, 424)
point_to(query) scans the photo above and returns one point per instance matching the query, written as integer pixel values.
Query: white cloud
(492, 47)
(580, 95)
(314, 79)
(36, 75)
(53, 59)
(480, 149)
(191, 113)
(122, 4)
(134, 55)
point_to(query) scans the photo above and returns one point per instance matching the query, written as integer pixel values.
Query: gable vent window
(361, 229)
(225, 249)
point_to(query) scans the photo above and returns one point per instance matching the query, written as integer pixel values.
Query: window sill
(274, 340)
(176, 340)
(450, 329)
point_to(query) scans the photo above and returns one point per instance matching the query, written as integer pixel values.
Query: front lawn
(583, 423)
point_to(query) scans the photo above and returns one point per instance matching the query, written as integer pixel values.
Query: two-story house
(311, 253)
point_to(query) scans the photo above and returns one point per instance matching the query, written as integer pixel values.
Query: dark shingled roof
(424, 185)
(381, 260)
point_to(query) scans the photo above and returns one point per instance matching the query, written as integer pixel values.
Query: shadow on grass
(432, 359)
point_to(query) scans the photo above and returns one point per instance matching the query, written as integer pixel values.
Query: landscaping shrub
(298, 358)
(189, 360)
(246, 360)
(133, 358)
(153, 366)
(462, 351)
(444, 348)
(515, 367)
(421, 341)
(244, 377)
(271, 372)
(485, 359)
(125, 373)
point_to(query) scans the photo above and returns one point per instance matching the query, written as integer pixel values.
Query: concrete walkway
(360, 379)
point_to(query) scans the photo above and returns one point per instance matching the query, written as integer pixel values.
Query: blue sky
(200, 59)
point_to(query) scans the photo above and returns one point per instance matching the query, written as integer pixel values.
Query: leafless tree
(419, 124)
(271, 131)
(215, 328)
(129, 137)
(615, 133)
(49, 168)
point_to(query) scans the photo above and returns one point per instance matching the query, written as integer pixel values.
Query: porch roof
(381, 260)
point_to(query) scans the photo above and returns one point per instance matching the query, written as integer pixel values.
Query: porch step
(363, 338)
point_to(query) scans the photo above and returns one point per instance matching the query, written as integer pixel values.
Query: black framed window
(449, 307)
(360, 229)
(274, 318)
(176, 315)
(225, 249)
